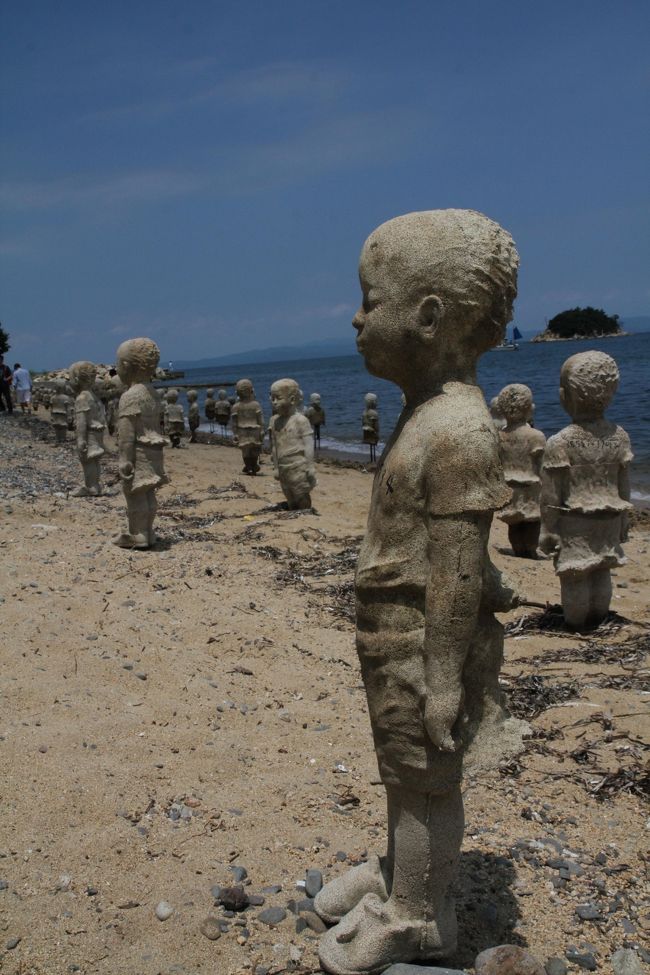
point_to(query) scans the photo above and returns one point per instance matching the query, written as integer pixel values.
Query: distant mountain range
(337, 347)
(277, 353)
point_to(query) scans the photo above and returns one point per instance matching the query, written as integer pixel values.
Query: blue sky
(205, 172)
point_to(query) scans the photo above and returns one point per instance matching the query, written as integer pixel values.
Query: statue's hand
(82, 448)
(548, 543)
(441, 714)
(126, 471)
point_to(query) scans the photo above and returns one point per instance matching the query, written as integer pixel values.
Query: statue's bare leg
(418, 920)
(137, 507)
(576, 599)
(601, 595)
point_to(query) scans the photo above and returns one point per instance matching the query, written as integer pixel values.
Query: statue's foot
(373, 936)
(153, 538)
(126, 540)
(94, 491)
(339, 896)
(80, 492)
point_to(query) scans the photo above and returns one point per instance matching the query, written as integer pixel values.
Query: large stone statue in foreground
(438, 289)
(90, 426)
(586, 489)
(292, 444)
(247, 426)
(521, 448)
(140, 440)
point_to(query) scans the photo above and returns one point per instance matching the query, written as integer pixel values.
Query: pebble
(402, 969)
(313, 882)
(626, 962)
(588, 912)
(4, 885)
(556, 966)
(13, 943)
(272, 915)
(164, 910)
(239, 874)
(233, 898)
(272, 889)
(507, 960)
(314, 922)
(341, 856)
(210, 928)
(584, 960)
(256, 900)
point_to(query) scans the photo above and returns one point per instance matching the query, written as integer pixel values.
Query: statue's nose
(357, 321)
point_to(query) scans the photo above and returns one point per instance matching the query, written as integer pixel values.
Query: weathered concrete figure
(370, 424)
(497, 417)
(438, 289)
(223, 410)
(193, 413)
(209, 408)
(90, 425)
(292, 445)
(586, 489)
(59, 411)
(141, 442)
(248, 426)
(316, 416)
(174, 418)
(521, 448)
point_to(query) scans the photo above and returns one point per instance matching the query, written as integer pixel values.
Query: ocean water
(342, 383)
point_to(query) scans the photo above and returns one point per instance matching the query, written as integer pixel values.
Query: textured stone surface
(586, 489)
(507, 960)
(438, 289)
(292, 445)
(625, 961)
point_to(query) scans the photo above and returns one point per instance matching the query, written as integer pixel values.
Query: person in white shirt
(23, 387)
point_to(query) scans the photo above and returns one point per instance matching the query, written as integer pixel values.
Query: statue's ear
(429, 315)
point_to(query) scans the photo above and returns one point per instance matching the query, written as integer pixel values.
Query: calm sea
(342, 383)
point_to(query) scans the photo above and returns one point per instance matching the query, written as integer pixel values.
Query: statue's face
(123, 369)
(283, 400)
(382, 321)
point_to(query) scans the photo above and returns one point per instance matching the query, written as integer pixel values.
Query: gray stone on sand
(507, 960)
(164, 910)
(313, 882)
(556, 966)
(625, 961)
(272, 915)
(210, 928)
(402, 969)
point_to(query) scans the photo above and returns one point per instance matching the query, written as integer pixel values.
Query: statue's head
(285, 396)
(515, 403)
(588, 382)
(171, 395)
(82, 375)
(244, 389)
(192, 396)
(438, 285)
(209, 393)
(137, 360)
(222, 394)
(370, 399)
(315, 399)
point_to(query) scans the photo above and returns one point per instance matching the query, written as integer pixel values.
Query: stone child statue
(59, 411)
(193, 413)
(586, 489)
(438, 289)
(222, 409)
(316, 416)
(248, 426)
(292, 445)
(162, 402)
(141, 442)
(521, 448)
(209, 408)
(90, 426)
(175, 418)
(370, 424)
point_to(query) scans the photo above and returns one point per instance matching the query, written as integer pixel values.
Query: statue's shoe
(126, 540)
(372, 937)
(80, 492)
(337, 898)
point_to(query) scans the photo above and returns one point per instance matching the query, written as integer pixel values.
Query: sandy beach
(170, 716)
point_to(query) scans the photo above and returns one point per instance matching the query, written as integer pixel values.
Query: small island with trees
(581, 323)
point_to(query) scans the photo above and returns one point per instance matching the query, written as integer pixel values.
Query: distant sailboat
(510, 345)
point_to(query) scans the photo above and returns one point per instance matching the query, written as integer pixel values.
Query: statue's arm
(81, 423)
(624, 490)
(552, 499)
(452, 602)
(126, 433)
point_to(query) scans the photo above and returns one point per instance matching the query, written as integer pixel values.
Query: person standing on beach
(23, 387)
(5, 388)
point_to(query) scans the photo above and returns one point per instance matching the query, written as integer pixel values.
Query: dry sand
(219, 672)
